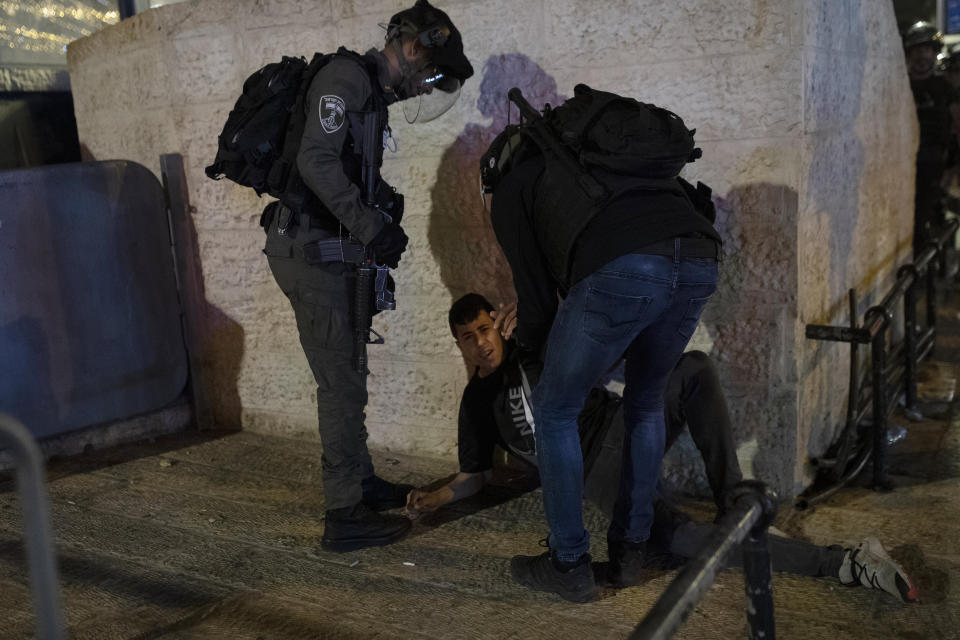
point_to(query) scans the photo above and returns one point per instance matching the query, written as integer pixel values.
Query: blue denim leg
(651, 357)
(600, 320)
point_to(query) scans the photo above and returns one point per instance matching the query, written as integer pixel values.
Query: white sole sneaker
(868, 564)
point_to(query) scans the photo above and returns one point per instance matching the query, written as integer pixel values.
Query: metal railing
(35, 505)
(893, 370)
(753, 507)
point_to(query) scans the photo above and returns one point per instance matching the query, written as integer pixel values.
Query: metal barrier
(35, 505)
(754, 506)
(893, 371)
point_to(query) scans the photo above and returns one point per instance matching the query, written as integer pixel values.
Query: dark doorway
(37, 128)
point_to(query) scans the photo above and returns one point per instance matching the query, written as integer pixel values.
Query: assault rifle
(372, 292)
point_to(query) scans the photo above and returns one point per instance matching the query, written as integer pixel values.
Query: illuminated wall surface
(38, 32)
(802, 108)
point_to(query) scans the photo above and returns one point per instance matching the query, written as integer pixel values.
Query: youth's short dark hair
(466, 309)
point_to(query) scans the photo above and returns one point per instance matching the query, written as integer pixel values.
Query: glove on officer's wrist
(388, 245)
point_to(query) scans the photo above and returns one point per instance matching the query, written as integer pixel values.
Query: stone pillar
(801, 106)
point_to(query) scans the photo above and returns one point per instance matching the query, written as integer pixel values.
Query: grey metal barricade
(754, 506)
(35, 506)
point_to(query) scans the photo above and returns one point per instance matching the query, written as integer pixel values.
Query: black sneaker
(351, 528)
(666, 520)
(626, 563)
(572, 581)
(380, 495)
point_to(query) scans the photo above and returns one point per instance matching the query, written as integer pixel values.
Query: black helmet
(922, 33)
(437, 33)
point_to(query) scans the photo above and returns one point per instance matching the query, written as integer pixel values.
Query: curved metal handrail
(35, 504)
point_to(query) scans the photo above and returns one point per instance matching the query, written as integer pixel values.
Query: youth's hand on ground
(505, 319)
(410, 509)
(420, 502)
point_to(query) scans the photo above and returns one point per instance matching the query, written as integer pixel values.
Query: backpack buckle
(285, 220)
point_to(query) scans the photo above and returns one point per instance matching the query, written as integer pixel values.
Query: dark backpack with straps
(259, 142)
(605, 133)
(596, 146)
(622, 135)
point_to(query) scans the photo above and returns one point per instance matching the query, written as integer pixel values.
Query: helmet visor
(437, 92)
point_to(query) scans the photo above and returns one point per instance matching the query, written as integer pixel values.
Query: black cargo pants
(693, 399)
(321, 298)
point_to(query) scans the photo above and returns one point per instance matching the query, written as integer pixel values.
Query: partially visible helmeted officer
(314, 235)
(936, 102)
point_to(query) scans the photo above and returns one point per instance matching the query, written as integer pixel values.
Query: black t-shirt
(495, 410)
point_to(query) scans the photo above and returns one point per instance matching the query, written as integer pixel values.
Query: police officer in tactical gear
(422, 62)
(936, 101)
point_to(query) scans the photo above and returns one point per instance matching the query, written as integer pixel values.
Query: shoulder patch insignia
(332, 113)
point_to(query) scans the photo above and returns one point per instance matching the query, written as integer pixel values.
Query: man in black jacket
(314, 263)
(495, 410)
(640, 272)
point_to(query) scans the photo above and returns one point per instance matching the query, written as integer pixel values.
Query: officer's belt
(344, 250)
(683, 248)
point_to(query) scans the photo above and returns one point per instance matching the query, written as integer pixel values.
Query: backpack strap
(284, 171)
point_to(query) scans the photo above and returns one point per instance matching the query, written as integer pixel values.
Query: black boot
(355, 527)
(572, 581)
(626, 562)
(380, 495)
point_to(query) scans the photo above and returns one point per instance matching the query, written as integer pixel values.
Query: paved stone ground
(217, 536)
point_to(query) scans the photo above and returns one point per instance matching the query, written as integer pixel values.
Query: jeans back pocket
(692, 316)
(609, 316)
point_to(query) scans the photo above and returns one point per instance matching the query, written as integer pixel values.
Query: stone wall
(856, 186)
(802, 108)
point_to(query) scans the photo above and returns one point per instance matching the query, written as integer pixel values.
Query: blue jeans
(641, 307)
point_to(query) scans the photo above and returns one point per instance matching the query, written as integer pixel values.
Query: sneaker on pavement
(572, 581)
(869, 565)
(359, 526)
(626, 563)
(380, 495)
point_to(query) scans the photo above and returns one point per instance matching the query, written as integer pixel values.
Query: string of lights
(46, 27)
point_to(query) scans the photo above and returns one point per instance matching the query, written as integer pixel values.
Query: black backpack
(596, 146)
(622, 135)
(605, 133)
(260, 140)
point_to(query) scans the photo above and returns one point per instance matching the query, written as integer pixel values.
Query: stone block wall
(802, 108)
(856, 184)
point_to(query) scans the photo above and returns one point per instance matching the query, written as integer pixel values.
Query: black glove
(389, 244)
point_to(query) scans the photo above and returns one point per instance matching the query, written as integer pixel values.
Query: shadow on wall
(219, 338)
(221, 355)
(745, 327)
(460, 235)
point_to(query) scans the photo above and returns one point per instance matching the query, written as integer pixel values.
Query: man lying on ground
(495, 410)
